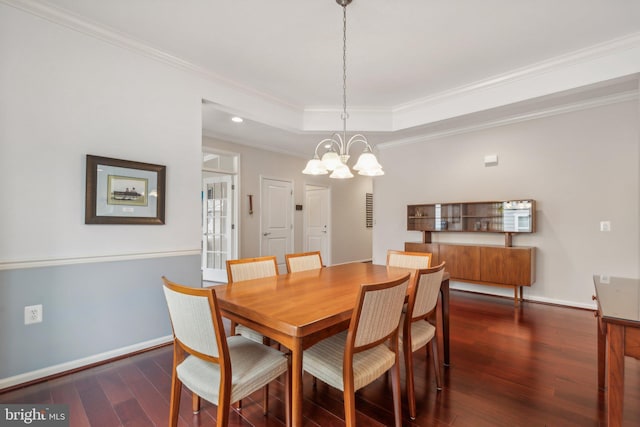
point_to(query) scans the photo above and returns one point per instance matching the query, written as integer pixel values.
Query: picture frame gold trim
(124, 192)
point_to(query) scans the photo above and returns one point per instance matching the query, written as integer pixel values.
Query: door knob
(265, 234)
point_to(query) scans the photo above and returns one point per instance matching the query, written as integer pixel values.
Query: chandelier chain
(337, 147)
(344, 67)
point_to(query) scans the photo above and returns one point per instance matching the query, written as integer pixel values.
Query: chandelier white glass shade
(336, 156)
(337, 148)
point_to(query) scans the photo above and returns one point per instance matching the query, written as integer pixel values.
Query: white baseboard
(562, 302)
(79, 363)
(487, 290)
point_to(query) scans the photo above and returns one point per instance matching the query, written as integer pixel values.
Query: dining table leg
(602, 353)
(444, 307)
(615, 375)
(296, 383)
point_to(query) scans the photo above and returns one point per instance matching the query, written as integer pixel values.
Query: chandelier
(337, 147)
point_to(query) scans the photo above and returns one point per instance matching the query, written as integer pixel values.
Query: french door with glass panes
(217, 225)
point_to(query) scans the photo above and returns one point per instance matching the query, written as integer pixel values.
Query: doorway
(317, 227)
(276, 219)
(219, 214)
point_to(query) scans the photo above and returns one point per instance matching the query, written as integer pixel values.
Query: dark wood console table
(618, 336)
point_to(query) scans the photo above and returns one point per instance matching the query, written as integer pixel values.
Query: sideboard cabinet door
(509, 266)
(463, 262)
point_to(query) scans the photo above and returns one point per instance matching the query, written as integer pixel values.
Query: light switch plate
(491, 160)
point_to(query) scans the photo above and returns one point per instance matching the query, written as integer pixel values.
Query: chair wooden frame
(351, 348)
(410, 318)
(293, 267)
(181, 351)
(411, 263)
(231, 264)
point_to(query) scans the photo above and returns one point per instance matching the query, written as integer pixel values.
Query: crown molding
(213, 136)
(538, 114)
(574, 58)
(323, 119)
(594, 64)
(586, 66)
(116, 38)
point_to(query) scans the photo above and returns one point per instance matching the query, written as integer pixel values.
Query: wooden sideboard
(485, 265)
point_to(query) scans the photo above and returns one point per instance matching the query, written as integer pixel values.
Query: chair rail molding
(52, 262)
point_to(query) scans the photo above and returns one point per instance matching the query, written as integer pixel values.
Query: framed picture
(124, 192)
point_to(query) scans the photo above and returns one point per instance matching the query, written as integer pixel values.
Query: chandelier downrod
(338, 147)
(344, 67)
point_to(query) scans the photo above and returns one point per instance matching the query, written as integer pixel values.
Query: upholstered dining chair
(417, 331)
(247, 269)
(219, 369)
(353, 359)
(251, 268)
(303, 261)
(408, 259)
(415, 260)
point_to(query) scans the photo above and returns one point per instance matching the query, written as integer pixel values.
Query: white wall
(351, 239)
(66, 95)
(348, 219)
(580, 167)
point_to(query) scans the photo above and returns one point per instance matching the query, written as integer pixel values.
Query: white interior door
(276, 220)
(316, 219)
(217, 225)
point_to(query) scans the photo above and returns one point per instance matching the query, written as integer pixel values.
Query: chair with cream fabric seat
(247, 269)
(355, 358)
(219, 369)
(303, 261)
(415, 260)
(417, 331)
(408, 259)
(251, 268)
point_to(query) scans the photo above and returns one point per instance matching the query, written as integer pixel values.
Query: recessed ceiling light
(236, 119)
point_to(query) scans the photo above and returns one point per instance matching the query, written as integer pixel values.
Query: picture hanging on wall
(124, 192)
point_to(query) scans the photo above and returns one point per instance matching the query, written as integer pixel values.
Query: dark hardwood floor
(530, 366)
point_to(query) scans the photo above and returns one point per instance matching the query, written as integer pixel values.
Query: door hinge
(233, 187)
(233, 226)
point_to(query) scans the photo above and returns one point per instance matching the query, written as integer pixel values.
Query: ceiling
(414, 67)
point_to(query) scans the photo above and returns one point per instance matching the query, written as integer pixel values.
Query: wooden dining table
(299, 309)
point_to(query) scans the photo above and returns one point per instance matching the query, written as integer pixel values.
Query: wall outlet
(32, 314)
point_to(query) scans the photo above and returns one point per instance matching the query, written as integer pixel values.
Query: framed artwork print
(124, 192)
